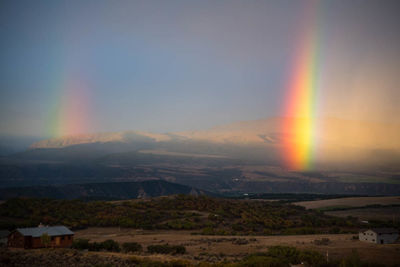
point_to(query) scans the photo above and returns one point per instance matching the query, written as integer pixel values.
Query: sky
(70, 67)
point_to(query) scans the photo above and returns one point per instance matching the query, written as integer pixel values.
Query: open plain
(218, 248)
(350, 202)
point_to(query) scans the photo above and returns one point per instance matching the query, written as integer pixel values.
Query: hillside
(122, 190)
(204, 214)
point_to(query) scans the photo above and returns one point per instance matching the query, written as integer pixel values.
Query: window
(62, 238)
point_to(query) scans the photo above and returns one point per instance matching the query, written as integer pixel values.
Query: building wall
(387, 238)
(368, 236)
(372, 237)
(62, 241)
(17, 240)
(55, 242)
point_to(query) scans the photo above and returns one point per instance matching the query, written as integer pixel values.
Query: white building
(379, 235)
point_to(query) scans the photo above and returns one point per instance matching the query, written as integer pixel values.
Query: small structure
(59, 237)
(3, 237)
(379, 235)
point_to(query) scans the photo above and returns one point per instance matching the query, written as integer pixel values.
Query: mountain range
(336, 141)
(349, 157)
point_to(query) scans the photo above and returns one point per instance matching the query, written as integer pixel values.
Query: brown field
(349, 202)
(366, 214)
(217, 248)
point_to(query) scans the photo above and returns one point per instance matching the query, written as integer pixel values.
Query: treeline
(205, 214)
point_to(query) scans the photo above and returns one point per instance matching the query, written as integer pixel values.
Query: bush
(95, 246)
(291, 254)
(131, 247)
(284, 256)
(322, 242)
(166, 249)
(80, 244)
(110, 245)
(240, 241)
(259, 260)
(334, 230)
(313, 258)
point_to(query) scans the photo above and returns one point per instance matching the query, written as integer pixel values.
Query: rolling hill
(109, 191)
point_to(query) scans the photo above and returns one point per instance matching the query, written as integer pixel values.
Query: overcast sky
(178, 65)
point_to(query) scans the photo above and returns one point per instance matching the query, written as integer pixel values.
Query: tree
(45, 239)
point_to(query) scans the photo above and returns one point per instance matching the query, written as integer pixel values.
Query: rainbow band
(299, 126)
(70, 113)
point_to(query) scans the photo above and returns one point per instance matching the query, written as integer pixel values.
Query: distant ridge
(103, 191)
(267, 132)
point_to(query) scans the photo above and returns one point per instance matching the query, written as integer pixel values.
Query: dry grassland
(366, 214)
(349, 202)
(216, 248)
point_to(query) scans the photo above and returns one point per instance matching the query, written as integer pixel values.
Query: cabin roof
(50, 230)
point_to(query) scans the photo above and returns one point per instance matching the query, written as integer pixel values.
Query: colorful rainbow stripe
(299, 109)
(70, 114)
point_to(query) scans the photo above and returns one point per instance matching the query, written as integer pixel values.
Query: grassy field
(218, 248)
(350, 202)
(366, 214)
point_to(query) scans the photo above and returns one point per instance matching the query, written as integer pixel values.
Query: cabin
(379, 235)
(59, 237)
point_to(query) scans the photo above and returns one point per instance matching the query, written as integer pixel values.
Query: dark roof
(383, 230)
(50, 230)
(4, 233)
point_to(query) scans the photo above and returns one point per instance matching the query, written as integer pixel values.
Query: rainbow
(70, 113)
(299, 109)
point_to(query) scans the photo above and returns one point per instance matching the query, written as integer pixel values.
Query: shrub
(166, 249)
(110, 245)
(80, 244)
(45, 239)
(260, 260)
(291, 254)
(334, 230)
(95, 246)
(322, 242)
(313, 258)
(131, 247)
(240, 241)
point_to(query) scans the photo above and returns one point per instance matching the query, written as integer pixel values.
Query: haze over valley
(243, 157)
